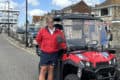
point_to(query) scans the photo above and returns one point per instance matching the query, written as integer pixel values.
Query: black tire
(71, 77)
(117, 77)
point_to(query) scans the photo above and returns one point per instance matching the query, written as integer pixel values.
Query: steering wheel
(92, 44)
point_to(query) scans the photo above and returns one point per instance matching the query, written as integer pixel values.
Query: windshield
(33, 29)
(79, 32)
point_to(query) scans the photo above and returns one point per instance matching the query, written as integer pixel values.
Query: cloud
(37, 12)
(61, 3)
(12, 4)
(2, 0)
(93, 2)
(2, 6)
(64, 3)
(34, 2)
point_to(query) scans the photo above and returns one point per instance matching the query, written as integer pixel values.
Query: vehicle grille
(102, 64)
(106, 73)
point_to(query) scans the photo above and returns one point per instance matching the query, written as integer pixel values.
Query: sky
(40, 7)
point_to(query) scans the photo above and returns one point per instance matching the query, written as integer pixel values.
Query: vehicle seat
(58, 26)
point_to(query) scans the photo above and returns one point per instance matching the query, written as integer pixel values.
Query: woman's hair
(49, 18)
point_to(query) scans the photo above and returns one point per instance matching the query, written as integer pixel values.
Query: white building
(8, 15)
(11, 15)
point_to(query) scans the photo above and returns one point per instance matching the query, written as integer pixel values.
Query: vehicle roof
(76, 16)
(80, 16)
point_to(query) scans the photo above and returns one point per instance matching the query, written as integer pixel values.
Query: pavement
(19, 45)
(16, 63)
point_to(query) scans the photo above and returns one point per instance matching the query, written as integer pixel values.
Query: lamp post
(26, 30)
(8, 18)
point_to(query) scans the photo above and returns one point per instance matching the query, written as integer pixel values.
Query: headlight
(114, 61)
(82, 65)
(85, 64)
(110, 62)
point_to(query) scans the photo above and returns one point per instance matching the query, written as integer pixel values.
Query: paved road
(16, 64)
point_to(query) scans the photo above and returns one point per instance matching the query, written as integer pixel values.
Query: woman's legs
(43, 71)
(50, 72)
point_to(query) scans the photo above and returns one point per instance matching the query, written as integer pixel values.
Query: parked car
(32, 32)
(20, 35)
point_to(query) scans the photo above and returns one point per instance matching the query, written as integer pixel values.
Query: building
(109, 11)
(39, 20)
(8, 16)
(36, 19)
(80, 7)
(9, 19)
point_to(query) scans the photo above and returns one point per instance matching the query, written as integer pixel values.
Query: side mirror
(92, 44)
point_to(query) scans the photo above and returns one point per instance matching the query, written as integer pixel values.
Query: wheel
(71, 77)
(117, 77)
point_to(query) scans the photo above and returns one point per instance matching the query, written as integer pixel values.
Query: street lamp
(8, 19)
(26, 30)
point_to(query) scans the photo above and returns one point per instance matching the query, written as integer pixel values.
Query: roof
(36, 19)
(81, 7)
(108, 3)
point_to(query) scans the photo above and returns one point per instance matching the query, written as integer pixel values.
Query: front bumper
(101, 73)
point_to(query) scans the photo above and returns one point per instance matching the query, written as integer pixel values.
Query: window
(6, 20)
(104, 12)
(15, 20)
(11, 19)
(72, 28)
(77, 24)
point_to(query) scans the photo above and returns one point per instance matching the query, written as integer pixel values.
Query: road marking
(15, 44)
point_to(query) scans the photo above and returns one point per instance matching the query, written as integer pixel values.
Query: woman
(49, 45)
